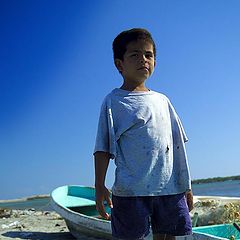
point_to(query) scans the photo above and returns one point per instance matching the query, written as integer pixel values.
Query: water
(227, 188)
(41, 204)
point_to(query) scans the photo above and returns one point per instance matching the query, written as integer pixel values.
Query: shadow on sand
(40, 235)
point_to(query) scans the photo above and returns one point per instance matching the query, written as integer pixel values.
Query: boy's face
(138, 62)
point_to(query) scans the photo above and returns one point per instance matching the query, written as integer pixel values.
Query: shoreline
(216, 179)
(24, 199)
(194, 181)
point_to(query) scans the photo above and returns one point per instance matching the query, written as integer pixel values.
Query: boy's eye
(134, 55)
(149, 55)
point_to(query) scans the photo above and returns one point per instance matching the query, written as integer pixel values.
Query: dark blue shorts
(131, 217)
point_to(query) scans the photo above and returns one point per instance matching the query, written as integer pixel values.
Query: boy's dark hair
(124, 38)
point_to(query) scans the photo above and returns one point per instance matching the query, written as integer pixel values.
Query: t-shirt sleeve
(176, 122)
(181, 168)
(185, 138)
(105, 139)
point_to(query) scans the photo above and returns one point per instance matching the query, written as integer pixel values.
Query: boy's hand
(189, 198)
(103, 194)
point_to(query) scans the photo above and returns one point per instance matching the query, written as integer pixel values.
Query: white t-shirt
(144, 135)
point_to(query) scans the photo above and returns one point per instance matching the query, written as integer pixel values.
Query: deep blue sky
(56, 66)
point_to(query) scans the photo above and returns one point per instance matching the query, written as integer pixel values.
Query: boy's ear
(118, 64)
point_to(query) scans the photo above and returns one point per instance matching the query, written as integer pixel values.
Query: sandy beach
(34, 225)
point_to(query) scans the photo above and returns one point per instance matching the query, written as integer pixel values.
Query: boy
(140, 129)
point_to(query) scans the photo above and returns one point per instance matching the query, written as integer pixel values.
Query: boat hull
(77, 222)
(77, 230)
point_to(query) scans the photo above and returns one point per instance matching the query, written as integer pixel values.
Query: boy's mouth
(143, 68)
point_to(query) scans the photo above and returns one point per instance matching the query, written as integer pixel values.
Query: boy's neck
(134, 88)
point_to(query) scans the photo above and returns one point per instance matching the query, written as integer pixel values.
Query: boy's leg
(130, 217)
(159, 236)
(171, 216)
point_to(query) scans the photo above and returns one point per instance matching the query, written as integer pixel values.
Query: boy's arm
(101, 160)
(189, 198)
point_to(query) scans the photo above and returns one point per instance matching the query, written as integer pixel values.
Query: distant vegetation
(215, 179)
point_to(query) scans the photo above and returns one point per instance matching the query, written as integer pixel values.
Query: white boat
(76, 205)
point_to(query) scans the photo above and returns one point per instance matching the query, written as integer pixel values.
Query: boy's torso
(142, 136)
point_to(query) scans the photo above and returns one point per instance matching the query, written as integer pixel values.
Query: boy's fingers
(102, 196)
(101, 210)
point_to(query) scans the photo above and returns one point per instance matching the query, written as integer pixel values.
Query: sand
(34, 225)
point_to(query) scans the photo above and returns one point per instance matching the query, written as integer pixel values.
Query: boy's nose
(143, 59)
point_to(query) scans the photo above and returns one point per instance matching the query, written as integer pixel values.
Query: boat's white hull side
(89, 225)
